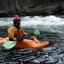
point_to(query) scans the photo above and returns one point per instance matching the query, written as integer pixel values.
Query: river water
(53, 54)
(47, 23)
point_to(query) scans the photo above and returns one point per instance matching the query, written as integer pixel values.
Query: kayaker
(16, 33)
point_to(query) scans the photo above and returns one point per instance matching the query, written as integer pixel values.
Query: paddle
(37, 32)
(9, 44)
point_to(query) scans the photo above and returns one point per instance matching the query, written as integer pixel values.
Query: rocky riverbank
(31, 7)
(53, 54)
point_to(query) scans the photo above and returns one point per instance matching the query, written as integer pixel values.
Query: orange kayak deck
(31, 44)
(26, 43)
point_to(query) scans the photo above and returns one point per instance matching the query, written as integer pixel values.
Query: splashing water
(47, 23)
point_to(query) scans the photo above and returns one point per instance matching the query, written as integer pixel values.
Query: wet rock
(30, 7)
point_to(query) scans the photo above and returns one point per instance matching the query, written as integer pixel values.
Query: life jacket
(13, 32)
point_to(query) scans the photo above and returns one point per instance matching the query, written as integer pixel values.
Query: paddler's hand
(7, 38)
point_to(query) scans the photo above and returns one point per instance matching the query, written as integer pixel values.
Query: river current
(47, 23)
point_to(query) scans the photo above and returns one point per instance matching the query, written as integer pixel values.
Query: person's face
(17, 23)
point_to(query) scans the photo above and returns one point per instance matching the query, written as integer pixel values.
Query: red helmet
(16, 19)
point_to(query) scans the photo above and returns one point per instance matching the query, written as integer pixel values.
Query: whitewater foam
(47, 23)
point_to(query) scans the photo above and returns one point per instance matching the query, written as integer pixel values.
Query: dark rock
(31, 7)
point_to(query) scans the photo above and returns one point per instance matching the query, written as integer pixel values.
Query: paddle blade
(37, 32)
(9, 44)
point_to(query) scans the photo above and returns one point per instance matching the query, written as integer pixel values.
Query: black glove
(11, 39)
